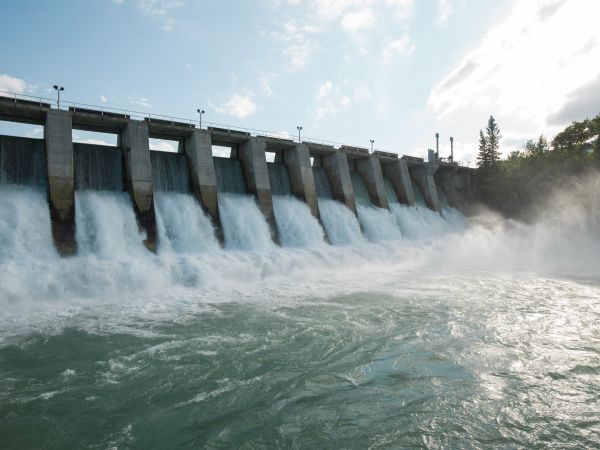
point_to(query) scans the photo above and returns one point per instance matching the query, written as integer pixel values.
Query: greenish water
(435, 362)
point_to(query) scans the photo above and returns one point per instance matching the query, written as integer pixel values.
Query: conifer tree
(482, 155)
(493, 137)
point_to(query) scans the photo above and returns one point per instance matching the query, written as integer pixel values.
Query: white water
(378, 224)
(340, 223)
(182, 225)
(244, 226)
(297, 227)
(106, 225)
(420, 222)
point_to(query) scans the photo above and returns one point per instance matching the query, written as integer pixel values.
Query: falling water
(244, 226)
(322, 183)
(106, 225)
(98, 167)
(22, 161)
(279, 179)
(297, 227)
(170, 171)
(182, 225)
(340, 223)
(230, 177)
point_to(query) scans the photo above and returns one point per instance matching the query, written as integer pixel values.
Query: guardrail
(144, 116)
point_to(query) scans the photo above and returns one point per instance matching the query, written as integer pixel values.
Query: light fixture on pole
(58, 89)
(200, 111)
(372, 141)
(299, 128)
(437, 145)
(451, 149)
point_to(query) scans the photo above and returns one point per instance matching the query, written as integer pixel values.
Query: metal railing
(141, 115)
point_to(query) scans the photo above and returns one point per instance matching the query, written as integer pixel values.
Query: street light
(451, 149)
(299, 128)
(200, 111)
(58, 89)
(372, 141)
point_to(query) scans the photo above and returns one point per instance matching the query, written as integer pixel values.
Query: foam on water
(297, 227)
(378, 224)
(244, 226)
(420, 222)
(340, 224)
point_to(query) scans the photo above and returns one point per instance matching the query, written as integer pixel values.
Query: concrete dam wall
(309, 194)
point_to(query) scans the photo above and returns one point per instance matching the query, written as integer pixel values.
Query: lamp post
(299, 128)
(437, 145)
(58, 89)
(451, 149)
(200, 112)
(372, 141)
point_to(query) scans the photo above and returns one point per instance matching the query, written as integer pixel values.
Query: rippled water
(484, 337)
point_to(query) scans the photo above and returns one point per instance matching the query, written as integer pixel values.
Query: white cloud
(159, 10)
(92, 141)
(298, 45)
(401, 46)
(324, 90)
(11, 84)
(162, 146)
(103, 98)
(239, 105)
(265, 84)
(357, 20)
(330, 100)
(403, 8)
(534, 71)
(141, 101)
(444, 11)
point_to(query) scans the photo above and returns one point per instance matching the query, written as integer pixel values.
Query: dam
(269, 190)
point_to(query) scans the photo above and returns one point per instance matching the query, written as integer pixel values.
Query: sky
(347, 71)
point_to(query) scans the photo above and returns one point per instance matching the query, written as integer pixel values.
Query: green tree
(482, 155)
(493, 137)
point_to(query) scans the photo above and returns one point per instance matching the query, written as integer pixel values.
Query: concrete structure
(456, 183)
(369, 169)
(423, 174)
(58, 134)
(396, 170)
(338, 172)
(134, 140)
(256, 174)
(302, 181)
(198, 150)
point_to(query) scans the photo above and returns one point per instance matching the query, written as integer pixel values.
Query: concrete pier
(254, 164)
(369, 169)
(297, 161)
(338, 172)
(134, 141)
(456, 184)
(423, 175)
(58, 136)
(198, 150)
(397, 172)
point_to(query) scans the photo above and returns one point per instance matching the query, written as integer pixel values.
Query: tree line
(513, 185)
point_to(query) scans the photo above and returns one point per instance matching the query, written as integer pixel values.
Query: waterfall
(230, 177)
(390, 191)
(22, 161)
(340, 223)
(106, 225)
(279, 179)
(182, 225)
(322, 183)
(25, 231)
(170, 171)
(98, 167)
(361, 194)
(244, 226)
(296, 225)
(420, 222)
(378, 223)
(419, 198)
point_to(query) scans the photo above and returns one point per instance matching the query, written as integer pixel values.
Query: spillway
(296, 225)
(170, 172)
(244, 226)
(22, 161)
(98, 167)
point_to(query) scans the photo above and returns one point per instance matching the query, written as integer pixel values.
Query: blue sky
(395, 71)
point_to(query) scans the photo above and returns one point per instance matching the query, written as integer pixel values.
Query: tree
(489, 144)
(493, 137)
(482, 156)
(538, 149)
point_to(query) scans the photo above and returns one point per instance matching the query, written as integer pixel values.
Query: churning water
(480, 334)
